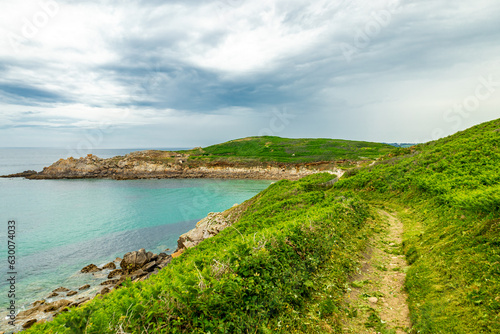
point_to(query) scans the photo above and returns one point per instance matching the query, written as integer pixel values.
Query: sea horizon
(64, 225)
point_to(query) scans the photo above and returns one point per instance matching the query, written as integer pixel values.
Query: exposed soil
(377, 300)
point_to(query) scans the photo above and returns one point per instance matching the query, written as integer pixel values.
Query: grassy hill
(276, 149)
(282, 267)
(285, 263)
(448, 194)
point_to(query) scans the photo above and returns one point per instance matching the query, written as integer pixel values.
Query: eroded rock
(38, 302)
(115, 273)
(109, 282)
(206, 228)
(91, 268)
(134, 260)
(29, 312)
(79, 301)
(149, 266)
(54, 306)
(29, 323)
(110, 265)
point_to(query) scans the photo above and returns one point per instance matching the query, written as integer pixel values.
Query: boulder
(137, 273)
(61, 289)
(79, 301)
(29, 312)
(115, 273)
(110, 265)
(118, 260)
(164, 262)
(206, 228)
(134, 260)
(29, 323)
(54, 306)
(84, 287)
(91, 268)
(104, 291)
(109, 282)
(71, 293)
(149, 266)
(52, 295)
(38, 302)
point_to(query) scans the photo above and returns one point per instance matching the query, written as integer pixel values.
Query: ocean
(64, 225)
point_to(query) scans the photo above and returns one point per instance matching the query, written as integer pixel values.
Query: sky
(150, 73)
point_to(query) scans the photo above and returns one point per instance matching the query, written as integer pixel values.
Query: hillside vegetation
(276, 149)
(284, 265)
(281, 268)
(448, 194)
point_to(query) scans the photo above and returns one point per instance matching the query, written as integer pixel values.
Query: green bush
(263, 274)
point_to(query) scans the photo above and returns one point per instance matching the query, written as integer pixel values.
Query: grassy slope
(448, 194)
(281, 268)
(286, 150)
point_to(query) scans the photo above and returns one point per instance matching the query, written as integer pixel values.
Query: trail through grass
(376, 299)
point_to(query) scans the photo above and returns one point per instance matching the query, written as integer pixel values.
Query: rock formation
(205, 228)
(164, 164)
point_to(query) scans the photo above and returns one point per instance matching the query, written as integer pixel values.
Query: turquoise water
(63, 225)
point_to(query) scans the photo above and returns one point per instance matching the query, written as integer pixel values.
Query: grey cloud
(424, 40)
(29, 95)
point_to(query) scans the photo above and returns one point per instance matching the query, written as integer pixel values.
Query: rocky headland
(165, 164)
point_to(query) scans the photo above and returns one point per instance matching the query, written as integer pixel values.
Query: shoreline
(165, 165)
(141, 265)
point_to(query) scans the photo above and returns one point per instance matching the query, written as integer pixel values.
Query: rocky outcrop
(27, 173)
(164, 164)
(114, 273)
(134, 260)
(55, 306)
(138, 266)
(206, 228)
(110, 265)
(91, 268)
(29, 323)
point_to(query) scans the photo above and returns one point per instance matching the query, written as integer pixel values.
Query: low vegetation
(284, 265)
(284, 150)
(281, 268)
(448, 194)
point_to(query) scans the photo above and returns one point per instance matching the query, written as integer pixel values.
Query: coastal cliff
(266, 157)
(165, 164)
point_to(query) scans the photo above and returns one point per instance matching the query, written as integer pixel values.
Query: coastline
(137, 265)
(164, 164)
(133, 166)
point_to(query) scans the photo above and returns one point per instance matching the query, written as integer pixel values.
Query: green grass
(282, 267)
(284, 150)
(447, 193)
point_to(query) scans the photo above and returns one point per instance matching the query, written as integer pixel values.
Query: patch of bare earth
(376, 299)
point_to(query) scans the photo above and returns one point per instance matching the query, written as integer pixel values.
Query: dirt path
(376, 300)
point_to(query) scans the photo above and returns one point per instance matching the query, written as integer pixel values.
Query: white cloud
(140, 65)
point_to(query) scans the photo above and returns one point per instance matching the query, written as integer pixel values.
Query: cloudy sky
(150, 73)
